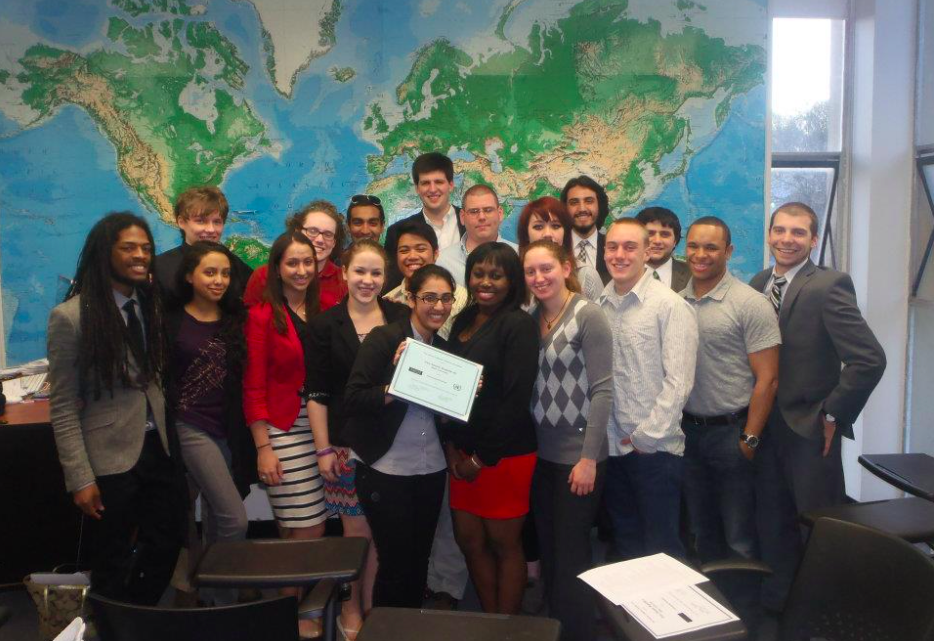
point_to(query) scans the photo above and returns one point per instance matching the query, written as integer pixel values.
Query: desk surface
(912, 473)
(390, 624)
(34, 413)
(628, 628)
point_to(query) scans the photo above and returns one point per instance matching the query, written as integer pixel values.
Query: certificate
(436, 380)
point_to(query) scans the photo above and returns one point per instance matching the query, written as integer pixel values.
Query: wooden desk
(40, 525)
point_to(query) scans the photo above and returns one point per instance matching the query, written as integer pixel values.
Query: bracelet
(327, 450)
(259, 447)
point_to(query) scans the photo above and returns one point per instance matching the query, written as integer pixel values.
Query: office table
(41, 524)
(403, 624)
(626, 627)
(912, 473)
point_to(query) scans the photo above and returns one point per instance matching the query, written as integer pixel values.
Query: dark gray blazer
(95, 437)
(680, 274)
(829, 360)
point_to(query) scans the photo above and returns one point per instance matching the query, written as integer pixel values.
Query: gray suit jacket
(94, 437)
(680, 274)
(829, 360)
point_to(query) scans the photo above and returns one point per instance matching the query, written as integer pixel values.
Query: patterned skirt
(341, 495)
(298, 501)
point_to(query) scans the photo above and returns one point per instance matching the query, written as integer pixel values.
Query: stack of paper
(661, 593)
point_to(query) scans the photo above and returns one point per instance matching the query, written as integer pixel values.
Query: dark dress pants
(792, 477)
(563, 521)
(403, 513)
(135, 544)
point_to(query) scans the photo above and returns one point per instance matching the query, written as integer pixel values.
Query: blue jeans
(719, 487)
(643, 499)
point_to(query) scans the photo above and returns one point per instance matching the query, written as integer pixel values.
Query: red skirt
(498, 492)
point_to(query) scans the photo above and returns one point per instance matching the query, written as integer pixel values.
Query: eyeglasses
(488, 211)
(432, 299)
(365, 199)
(314, 232)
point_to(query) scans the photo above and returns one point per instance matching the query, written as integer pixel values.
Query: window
(807, 118)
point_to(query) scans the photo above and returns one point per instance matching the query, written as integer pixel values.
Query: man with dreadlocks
(106, 362)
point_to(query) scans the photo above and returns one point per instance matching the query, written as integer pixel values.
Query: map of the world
(121, 105)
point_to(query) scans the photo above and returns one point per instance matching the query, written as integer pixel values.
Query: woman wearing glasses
(548, 219)
(491, 459)
(322, 224)
(401, 467)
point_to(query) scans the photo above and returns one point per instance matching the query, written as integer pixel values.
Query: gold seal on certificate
(436, 380)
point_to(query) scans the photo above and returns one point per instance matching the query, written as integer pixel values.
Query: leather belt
(714, 421)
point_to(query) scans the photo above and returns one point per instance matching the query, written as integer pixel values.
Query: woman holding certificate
(401, 467)
(334, 338)
(571, 404)
(491, 459)
(272, 393)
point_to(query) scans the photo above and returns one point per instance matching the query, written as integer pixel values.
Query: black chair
(269, 620)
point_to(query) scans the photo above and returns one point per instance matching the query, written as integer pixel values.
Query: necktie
(137, 343)
(655, 274)
(582, 251)
(775, 295)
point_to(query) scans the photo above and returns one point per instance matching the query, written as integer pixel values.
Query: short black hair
(506, 258)
(432, 161)
(365, 200)
(664, 217)
(603, 202)
(423, 273)
(418, 228)
(715, 222)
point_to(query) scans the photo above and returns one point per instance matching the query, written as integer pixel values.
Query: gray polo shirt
(734, 321)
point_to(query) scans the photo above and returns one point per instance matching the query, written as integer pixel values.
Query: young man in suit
(200, 213)
(664, 235)
(433, 177)
(121, 462)
(829, 363)
(589, 206)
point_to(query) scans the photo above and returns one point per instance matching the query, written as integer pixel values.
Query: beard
(129, 282)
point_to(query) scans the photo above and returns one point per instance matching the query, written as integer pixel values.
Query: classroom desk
(41, 524)
(625, 627)
(400, 624)
(912, 473)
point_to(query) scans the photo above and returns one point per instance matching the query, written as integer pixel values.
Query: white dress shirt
(664, 271)
(454, 258)
(448, 232)
(591, 246)
(789, 276)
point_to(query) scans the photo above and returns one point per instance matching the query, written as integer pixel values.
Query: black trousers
(402, 512)
(135, 544)
(564, 521)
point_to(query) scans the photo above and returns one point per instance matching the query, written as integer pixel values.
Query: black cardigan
(501, 421)
(370, 425)
(239, 438)
(331, 346)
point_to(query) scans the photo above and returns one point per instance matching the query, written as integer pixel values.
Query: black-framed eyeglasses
(365, 199)
(487, 211)
(314, 232)
(432, 299)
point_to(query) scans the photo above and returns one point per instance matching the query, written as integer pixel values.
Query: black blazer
(166, 267)
(370, 425)
(239, 438)
(331, 347)
(680, 274)
(393, 275)
(822, 329)
(501, 421)
(601, 262)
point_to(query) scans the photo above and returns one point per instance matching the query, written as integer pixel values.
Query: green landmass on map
(134, 91)
(596, 88)
(342, 74)
(139, 7)
(252, 251)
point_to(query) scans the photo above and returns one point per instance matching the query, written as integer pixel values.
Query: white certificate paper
(436, 380)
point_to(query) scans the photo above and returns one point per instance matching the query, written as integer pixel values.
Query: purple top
(200, 366)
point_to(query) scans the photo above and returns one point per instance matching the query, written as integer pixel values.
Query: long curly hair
(103, 360)
(233, 312)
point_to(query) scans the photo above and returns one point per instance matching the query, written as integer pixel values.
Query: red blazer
(331, 286)
(275, 370)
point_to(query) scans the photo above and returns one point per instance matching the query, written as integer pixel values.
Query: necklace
(551, 322)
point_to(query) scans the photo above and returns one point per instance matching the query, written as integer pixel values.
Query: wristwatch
(751, 440)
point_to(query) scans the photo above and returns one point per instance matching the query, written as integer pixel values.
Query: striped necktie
(582, 251)
(655, 274)
(775, 294)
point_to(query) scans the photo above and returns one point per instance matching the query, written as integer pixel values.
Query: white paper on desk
(677, 611)
(74, 631)
(648, 574)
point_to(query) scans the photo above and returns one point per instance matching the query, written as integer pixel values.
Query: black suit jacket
(680, 274)
(393, 275)
(370, 425)
(830, 361)
(601, 261)
(331, 348)
(166, 267)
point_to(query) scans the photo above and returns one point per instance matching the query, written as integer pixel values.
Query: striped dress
(297, 502)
